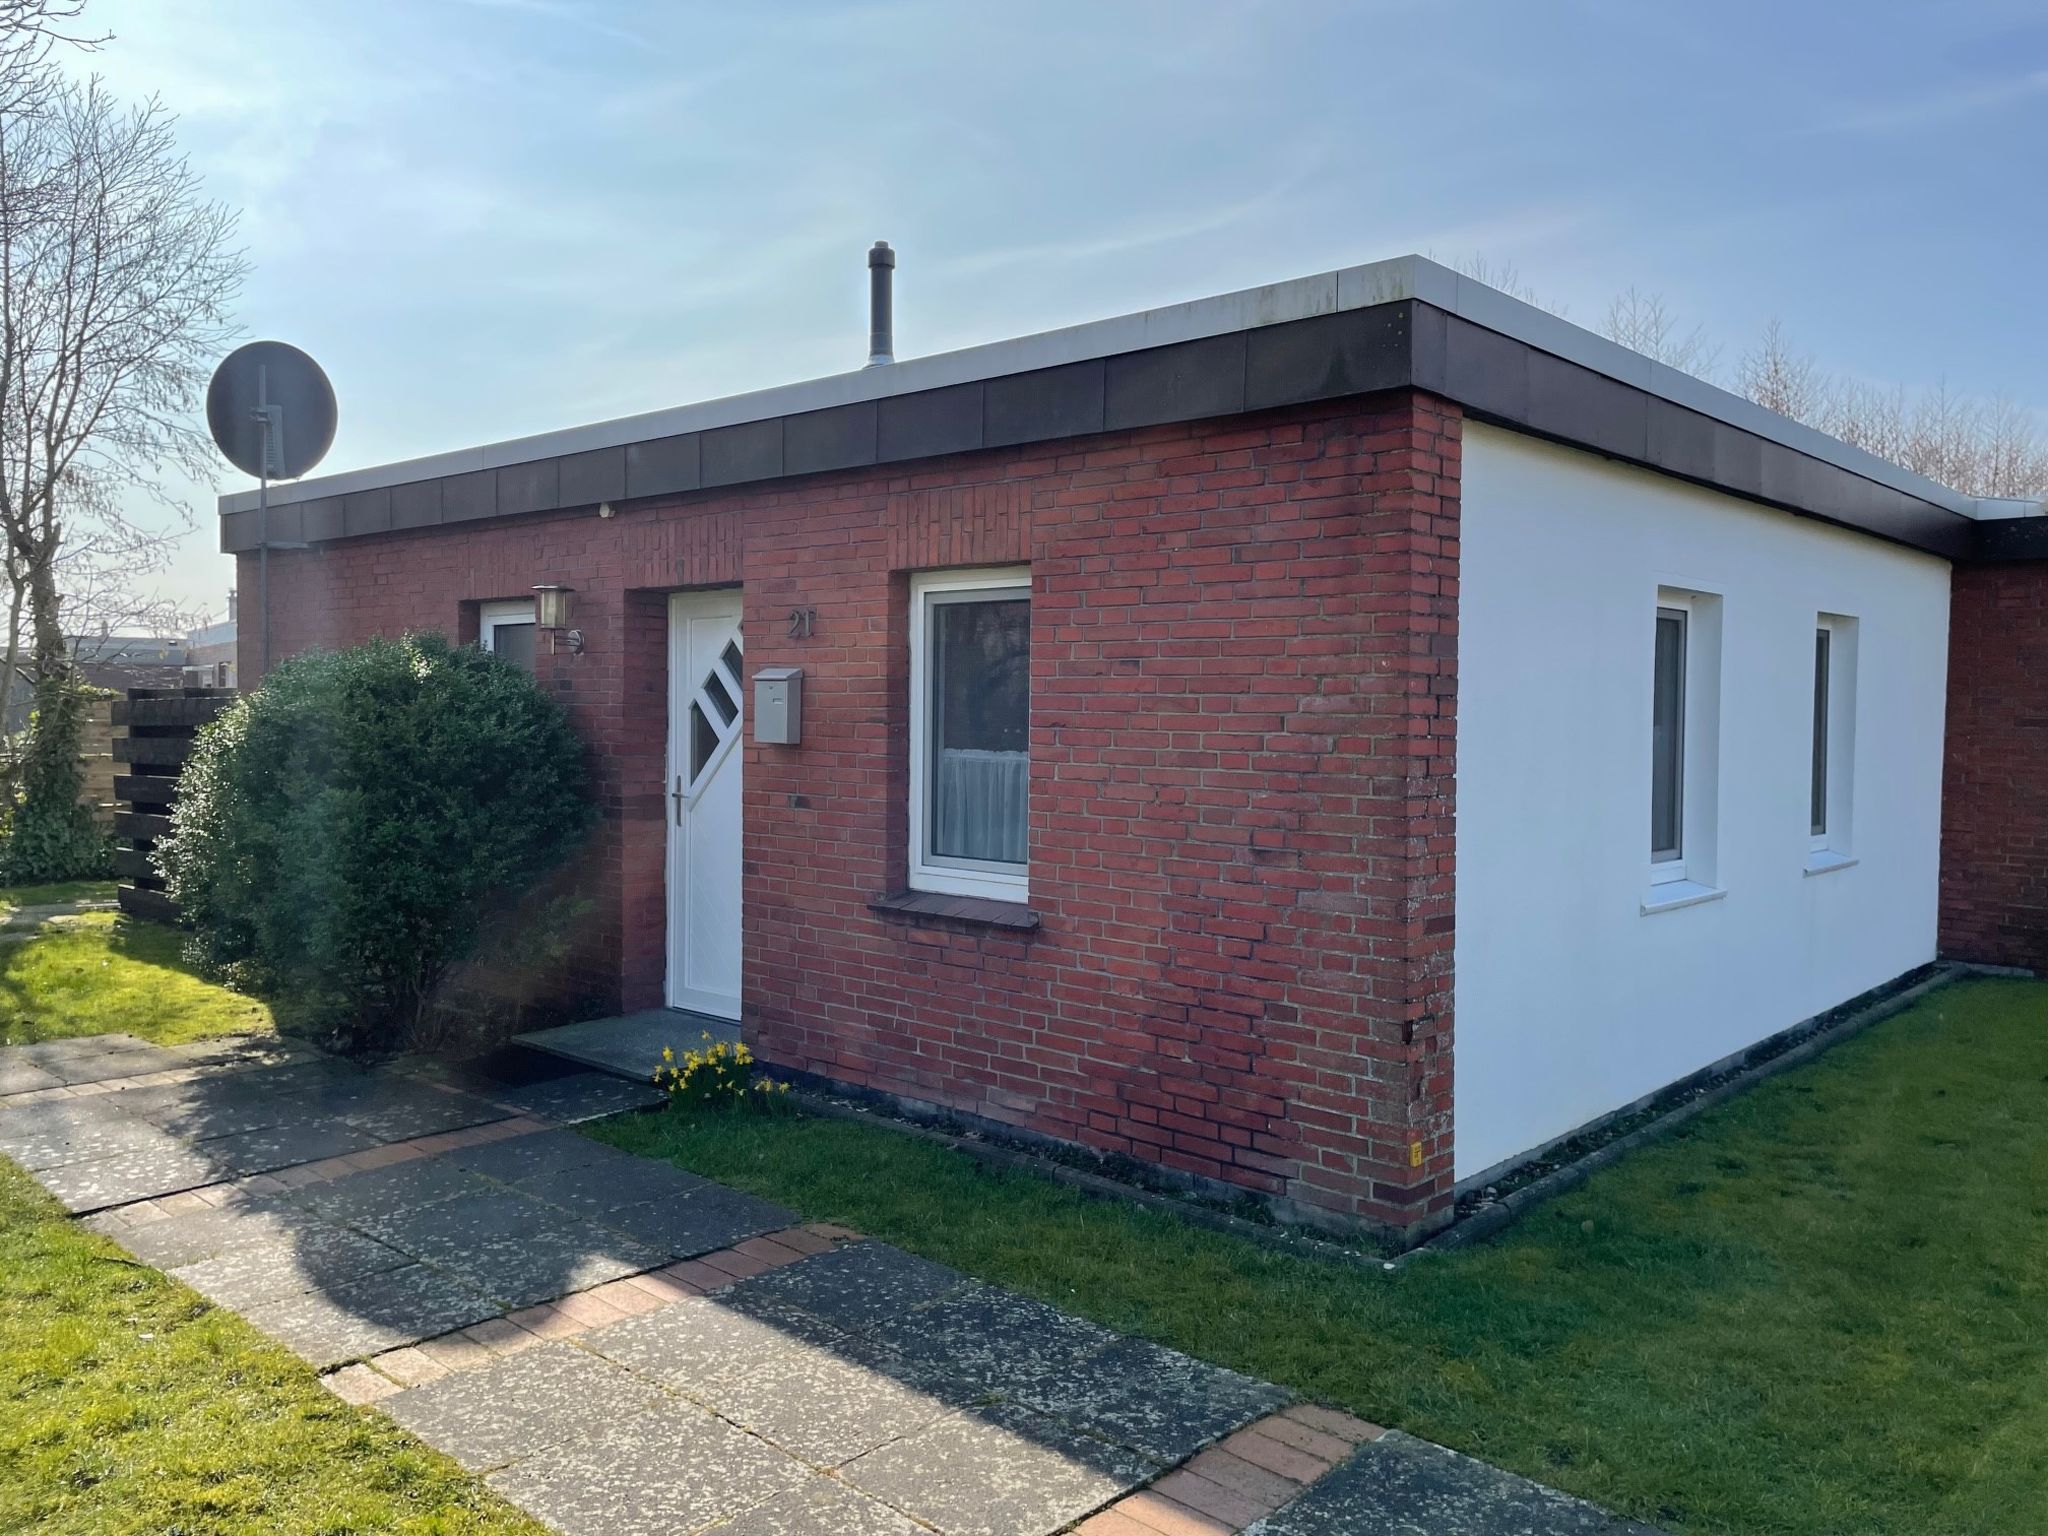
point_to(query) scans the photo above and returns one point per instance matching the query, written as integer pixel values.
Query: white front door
(706, 713)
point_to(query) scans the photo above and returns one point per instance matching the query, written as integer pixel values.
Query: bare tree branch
(1642, 322)
(115, 278)
(30, 31)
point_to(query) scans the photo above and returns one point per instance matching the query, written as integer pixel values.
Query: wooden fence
(153, 734)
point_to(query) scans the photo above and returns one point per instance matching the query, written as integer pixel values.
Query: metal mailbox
(779, 706)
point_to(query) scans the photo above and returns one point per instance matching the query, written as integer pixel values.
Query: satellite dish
(271, 410)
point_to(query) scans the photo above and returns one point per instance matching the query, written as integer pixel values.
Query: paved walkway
(20, 923)
(621, 1347)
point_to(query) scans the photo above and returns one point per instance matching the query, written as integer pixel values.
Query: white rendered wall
(1571, 1001)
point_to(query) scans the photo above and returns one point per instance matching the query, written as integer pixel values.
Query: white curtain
(981, 805)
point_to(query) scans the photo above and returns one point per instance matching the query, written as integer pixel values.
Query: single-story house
(1327, 741)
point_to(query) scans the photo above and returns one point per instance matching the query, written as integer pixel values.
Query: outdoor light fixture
(551, 613)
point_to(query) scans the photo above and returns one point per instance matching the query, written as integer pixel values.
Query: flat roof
(1450, 332)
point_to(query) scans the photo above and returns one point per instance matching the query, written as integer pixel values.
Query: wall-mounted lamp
(551, 613)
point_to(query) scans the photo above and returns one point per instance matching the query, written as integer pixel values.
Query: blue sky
(494, 217)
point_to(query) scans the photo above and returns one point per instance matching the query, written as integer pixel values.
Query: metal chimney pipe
(881, 304)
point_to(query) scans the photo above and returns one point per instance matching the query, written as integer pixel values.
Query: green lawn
(1822, 1308)
(104, 974)
(130, 1406)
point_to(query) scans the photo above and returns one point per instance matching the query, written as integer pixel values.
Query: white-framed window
(1667, 744)
(970, 713)
(1685, 746)
(1831, 778)
(507, 629)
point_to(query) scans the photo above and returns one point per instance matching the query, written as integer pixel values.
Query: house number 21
(803, 623)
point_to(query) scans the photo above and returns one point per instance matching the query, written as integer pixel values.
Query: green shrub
(342, 834)
(50, 833)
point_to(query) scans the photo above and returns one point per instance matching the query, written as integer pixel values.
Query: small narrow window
(1667, 741)
(970, 733)
(506, 630)
(1819, 796)
(1831, 788)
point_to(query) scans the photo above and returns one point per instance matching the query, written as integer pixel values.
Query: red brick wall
(1994, 810)
(1243, 723)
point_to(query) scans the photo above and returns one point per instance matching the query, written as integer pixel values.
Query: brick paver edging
(1240, 1480)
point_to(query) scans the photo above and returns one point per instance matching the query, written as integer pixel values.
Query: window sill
(1673, 894)
(977, 911)
(1824, 861)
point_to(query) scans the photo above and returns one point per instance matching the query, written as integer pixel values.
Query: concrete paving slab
(92, 1058)
(368, 1316)
(315, 1259)
(209, 1107)
(581, 1096)
(353, 1094)
(182, 1240)
(283, 1146)
(856, 1287)
(1003, 1471)
(519, 1159)
(592, 1188)
(399, 1112)
(700, 1343)
(123, 1180)
(819, 1507)
(136, 1063)
(706, 1219)
(359, 1197)
(551, 1261)
(81, 1050)
(521, 1404)
(60, 1131)
(823, 1404)
(476, 1221)
(992, 1339)
(672, 1469)
(630, 1046)
(240, 1051)
(1159, 1402)
(1401, 1486)
(25, 1077)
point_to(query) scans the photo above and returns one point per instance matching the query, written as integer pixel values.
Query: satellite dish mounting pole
(263, 521)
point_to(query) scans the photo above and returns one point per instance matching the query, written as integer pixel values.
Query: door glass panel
(703, 741)
(721, 700)
(732, 659)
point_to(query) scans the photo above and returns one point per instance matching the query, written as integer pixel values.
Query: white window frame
(1832, 847)
(513, 611)
(950, 877)
(1664, 871)
(1689, 879)
(1819, 838)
